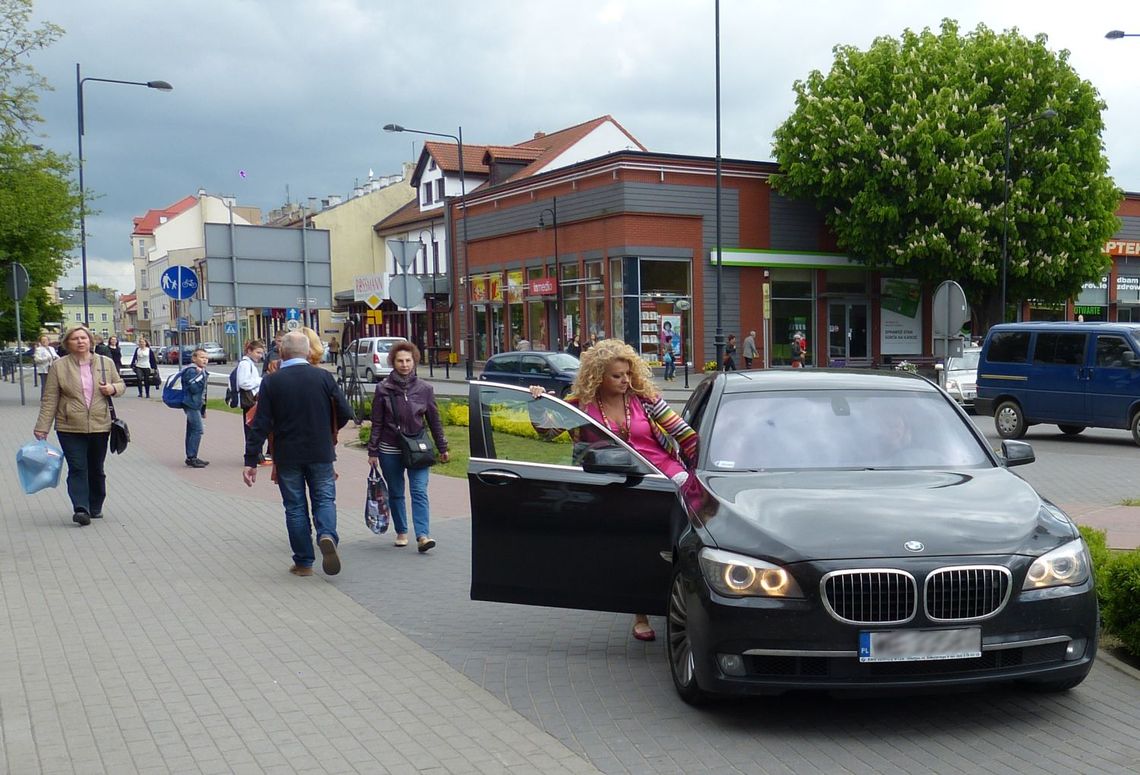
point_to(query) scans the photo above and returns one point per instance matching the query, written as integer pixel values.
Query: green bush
(1122, 611)
(1101, 559)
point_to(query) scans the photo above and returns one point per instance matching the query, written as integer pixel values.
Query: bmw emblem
(913, 546)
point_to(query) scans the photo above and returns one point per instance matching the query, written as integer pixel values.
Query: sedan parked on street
(554, 371)
(215, 353)
(841, 530)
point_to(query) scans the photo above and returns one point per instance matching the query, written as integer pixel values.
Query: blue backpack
(172, 392)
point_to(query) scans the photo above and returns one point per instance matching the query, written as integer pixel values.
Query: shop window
(846, 281)
(595, 301)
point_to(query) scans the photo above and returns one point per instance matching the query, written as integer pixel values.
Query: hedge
(1117, 579)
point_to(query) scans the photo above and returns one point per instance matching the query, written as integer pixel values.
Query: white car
(962, 376)
(215, 353)
(368, 356)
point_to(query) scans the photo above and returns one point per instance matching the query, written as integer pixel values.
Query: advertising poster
(671, 327)
(901, 331)
(515, 287)
(478, 289)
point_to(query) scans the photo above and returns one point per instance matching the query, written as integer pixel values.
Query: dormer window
(439, 189)
(427, 193)
(431, 162)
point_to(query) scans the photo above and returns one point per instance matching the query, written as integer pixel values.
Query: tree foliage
(902, 147)
(20, 84)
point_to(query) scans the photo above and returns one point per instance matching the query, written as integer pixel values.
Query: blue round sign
(179, 282)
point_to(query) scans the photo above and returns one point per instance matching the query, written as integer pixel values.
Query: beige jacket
(63, 397)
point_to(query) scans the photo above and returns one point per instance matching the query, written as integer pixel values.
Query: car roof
(823, 379)
(513, 353)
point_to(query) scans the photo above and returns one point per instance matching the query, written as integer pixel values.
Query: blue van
(1074, 375)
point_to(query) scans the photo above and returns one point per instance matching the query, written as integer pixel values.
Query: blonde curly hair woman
(610, 373)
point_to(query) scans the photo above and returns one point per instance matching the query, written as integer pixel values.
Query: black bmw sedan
(842, 530)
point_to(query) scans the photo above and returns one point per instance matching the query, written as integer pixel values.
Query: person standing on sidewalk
(43, 357)
(750, 351)
(730, 353)
(249, 384)
(75, 399)
(405, 403)
(194, 381)
(302, 407)
(144, 362)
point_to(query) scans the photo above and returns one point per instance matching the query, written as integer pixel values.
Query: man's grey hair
(294, 345)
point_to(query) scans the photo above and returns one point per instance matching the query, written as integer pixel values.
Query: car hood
(865, 514)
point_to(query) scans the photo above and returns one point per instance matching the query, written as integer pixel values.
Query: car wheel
(1071, 430)
(680, 647)
(369, 376)
(1136, 427)
(1009, 420)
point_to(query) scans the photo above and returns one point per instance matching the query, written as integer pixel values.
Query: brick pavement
(169, 637)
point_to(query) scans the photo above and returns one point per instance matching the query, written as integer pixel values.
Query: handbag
(415, 448)
(120, 433)
(377, 511)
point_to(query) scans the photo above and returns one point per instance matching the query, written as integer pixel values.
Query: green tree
(20, 84)
(902, 147)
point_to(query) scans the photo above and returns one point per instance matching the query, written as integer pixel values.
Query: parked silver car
(215, 353)
(962, 376)
(369, 357)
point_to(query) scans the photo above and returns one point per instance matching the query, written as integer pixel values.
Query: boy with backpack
(194, 379)
(245, 381)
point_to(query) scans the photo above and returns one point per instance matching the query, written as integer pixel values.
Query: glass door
(847, 333)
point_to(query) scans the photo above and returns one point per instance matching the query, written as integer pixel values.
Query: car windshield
(967, 362)
(820, 429)
(386, 346)
(563, 361)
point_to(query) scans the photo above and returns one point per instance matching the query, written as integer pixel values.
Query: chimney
(539, 135)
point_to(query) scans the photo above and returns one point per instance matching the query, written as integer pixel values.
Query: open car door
(563, 513)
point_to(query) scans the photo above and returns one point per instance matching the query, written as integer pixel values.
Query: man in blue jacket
(194, 380)
(301, 405)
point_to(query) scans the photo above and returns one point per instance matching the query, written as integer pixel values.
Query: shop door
(847, 337)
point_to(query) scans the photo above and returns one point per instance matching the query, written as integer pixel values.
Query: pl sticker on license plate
(919, 645)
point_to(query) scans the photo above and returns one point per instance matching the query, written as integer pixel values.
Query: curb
(1118, 664)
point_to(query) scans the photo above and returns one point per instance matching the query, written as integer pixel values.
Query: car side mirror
(610, 460)
(939, 367)
(1017, 453)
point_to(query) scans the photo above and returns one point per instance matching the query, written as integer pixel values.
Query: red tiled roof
(446, 155)
(408, 215)
(146, 224)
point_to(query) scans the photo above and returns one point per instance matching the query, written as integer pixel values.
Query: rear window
(1009, 347)
(1059, 349)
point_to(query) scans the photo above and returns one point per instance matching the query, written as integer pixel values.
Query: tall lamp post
(553, 210)
(468, 316)
(1046, 114)
(718, 338)
(79, 81)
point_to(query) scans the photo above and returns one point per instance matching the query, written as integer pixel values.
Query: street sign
(292, 324)
(231, 327)
(949, 310)
(292, 314)
(375, 317)
(179, 282)
(406, 290)
(183, 324)
(404, 252)
(16, 283)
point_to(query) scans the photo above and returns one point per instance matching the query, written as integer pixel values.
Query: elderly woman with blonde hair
(615, 387)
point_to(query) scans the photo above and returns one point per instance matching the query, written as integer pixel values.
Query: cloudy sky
(294, 93)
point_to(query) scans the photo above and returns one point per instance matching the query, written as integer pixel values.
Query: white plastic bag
(39, 465)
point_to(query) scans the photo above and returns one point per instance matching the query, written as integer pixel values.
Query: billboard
(267, 266)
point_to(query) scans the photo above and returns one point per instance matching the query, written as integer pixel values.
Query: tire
(1009, 420)
(369, 376)
(1071, 430)
(564, 392)
(1136, 427)
(679, 647)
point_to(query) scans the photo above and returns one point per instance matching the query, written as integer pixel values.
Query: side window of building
(1009, 347)
(427, 193)
(1060, 349)
(1114, 351)
(439, 189)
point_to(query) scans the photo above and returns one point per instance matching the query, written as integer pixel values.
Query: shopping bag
(377, 513)
(38, 465)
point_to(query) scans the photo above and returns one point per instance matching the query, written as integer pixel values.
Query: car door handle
(497, 477)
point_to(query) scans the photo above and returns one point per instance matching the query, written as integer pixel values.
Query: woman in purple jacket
(402, 402)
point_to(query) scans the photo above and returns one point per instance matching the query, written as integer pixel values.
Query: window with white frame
(103, 318)
(142, 280)
(427, 193)
(439, 189)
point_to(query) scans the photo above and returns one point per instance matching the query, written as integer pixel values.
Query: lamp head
(393, 128)
(542, 220)
(1114, 34)
(1048, 113)
(160, 85)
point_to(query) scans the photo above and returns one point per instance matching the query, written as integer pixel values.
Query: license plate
(920, 645)
(971, 394)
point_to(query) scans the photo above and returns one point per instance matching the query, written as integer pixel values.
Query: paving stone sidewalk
(168, 637)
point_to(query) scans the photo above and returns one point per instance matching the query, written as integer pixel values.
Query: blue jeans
(194, 430)
(670, 368)
(392, 466)
(321, 483)
(86, 482)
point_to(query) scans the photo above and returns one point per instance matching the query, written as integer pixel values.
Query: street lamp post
(1046, 114)
(79, 81)
(553, 210)
(718, 338)
(469, 318)
(1118, 34)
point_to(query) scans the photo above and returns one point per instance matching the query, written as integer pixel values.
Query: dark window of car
(535, 365)
(1113, 351)
(505, 364)
(563, 361)
(1060, 349)
(1009, 347)
(850, 429)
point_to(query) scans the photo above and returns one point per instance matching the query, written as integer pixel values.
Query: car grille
(966, 592)
(872, 596)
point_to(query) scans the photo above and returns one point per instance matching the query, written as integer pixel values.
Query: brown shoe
(425, 543)
(301, 570)
(402, 540)
(330, 560)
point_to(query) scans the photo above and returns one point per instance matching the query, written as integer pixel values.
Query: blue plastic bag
(39, 465)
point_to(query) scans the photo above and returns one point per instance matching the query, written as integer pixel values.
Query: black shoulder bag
(416, 449)
(120, 433)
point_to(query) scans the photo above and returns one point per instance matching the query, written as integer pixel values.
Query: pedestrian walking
(750, 351)
(101, 347)
(145, 363)
(195, 380)
(248, 378)
(43, 356)
(115, 352)
(730, 353)
(273, 354)
(799, 348)
(403, 403)
(76, 399)
(302, 407)
(334, 352)
(575, 347)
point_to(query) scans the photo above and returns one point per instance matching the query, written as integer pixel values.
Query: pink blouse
(641, 437)
(87, 379)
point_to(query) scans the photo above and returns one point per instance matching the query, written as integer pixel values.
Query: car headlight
(951, 385)
(1065, 566)
(735, 575)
